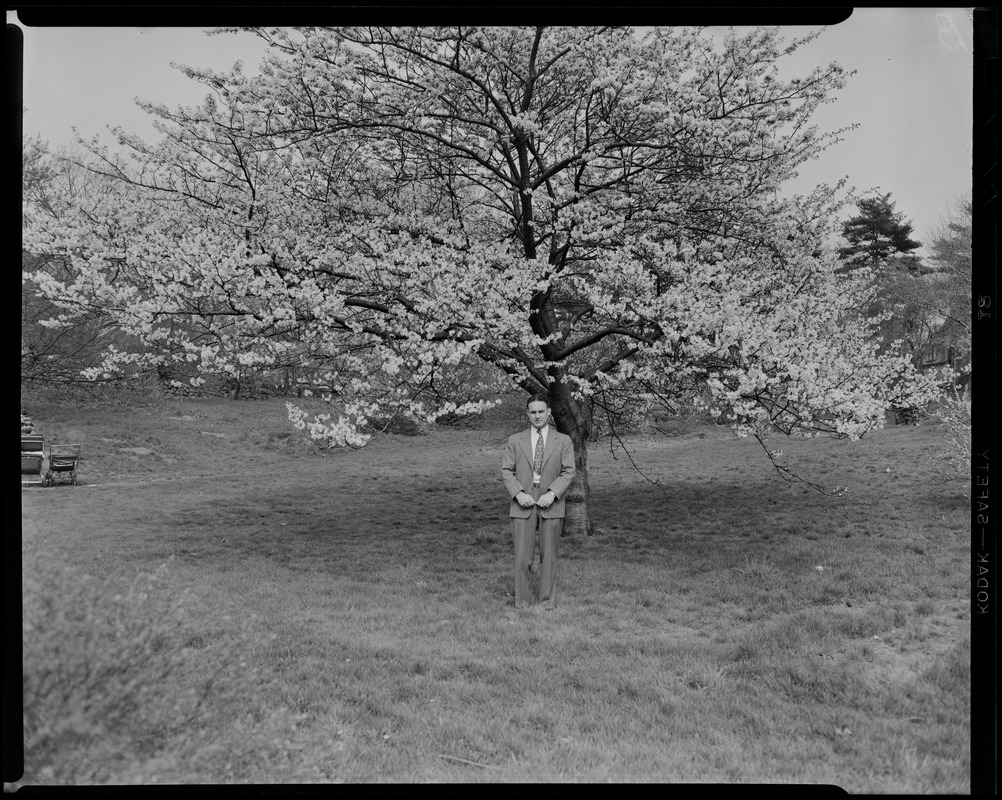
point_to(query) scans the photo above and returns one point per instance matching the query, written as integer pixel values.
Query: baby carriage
(31, 453)
(63, 460)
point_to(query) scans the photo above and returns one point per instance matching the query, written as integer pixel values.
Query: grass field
(218, 603)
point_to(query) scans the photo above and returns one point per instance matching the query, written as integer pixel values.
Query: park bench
(31, 453)
(63, 459)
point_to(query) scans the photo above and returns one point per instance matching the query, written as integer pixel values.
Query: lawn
(218, 602)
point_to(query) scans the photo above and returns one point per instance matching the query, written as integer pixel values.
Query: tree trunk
(576, 519)
(568, 415)
(570, 419)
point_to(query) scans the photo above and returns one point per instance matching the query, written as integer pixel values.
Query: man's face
(539, 414)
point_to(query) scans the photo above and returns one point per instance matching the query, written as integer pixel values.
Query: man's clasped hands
(525, 500)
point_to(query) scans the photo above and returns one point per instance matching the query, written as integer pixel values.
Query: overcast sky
(911, 95)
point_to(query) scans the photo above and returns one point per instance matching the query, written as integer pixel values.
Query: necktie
(537, 462)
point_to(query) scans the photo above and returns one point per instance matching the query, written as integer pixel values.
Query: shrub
(102, 674)
(955, 413)
(124, 686)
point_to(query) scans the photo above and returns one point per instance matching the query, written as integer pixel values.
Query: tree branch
(588, 341)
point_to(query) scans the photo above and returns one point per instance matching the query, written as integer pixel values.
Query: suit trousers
(525, 537)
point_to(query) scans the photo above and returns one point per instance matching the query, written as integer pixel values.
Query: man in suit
(537, 469)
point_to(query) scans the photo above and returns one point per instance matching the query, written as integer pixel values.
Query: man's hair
(537, 398)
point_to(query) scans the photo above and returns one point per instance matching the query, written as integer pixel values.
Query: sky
(911, 94)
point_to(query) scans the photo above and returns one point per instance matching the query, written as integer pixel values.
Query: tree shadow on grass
(368, 524)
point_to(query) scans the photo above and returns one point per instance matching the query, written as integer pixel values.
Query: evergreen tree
(877, 233)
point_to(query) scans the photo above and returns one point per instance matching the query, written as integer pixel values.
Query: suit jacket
(557, 472)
